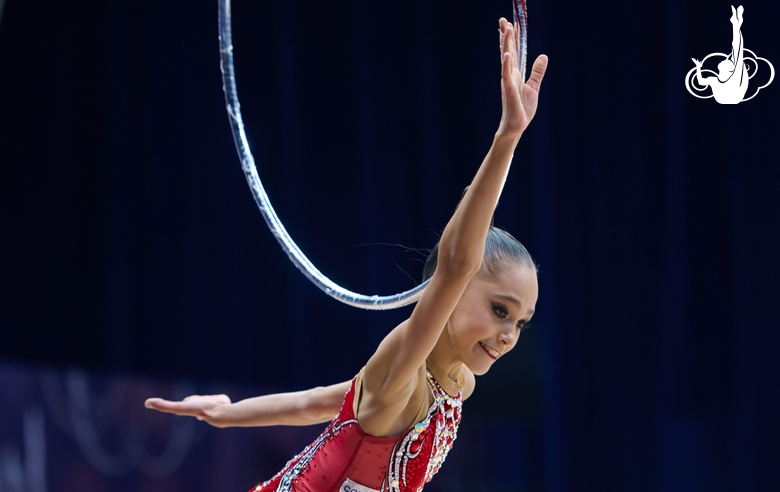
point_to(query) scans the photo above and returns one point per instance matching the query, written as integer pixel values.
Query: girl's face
(490, 315)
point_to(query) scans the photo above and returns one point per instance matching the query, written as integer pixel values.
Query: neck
(446, 357)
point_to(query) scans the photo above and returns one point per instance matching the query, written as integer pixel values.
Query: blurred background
(134, 263)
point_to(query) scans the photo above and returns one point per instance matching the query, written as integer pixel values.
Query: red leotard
(346, 459)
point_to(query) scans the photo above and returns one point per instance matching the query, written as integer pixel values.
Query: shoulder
(377, 373)
(471, 382)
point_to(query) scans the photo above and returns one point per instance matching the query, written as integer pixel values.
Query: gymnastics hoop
(521, 33)
(300, 260)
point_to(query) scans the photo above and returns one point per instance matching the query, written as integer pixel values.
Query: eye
(500, 311)
(523, 325)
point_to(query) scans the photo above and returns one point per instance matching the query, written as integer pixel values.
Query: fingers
(515, 50)
(501, 22)
(506, 72)
(179, 408)
(537, 73)
(156, 403)
(508, 42)
(506, 38)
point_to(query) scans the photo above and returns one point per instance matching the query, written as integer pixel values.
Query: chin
(479, 369)
(478, 362)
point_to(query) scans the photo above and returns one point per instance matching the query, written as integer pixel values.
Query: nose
(507, 338)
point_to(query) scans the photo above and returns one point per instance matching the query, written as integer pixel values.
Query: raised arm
(391, 374)
(308, 407)
(701, 80)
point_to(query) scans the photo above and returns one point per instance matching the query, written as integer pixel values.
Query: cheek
(471, 329)
(483, 331)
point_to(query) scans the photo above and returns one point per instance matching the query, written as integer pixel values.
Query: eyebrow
(512, 300)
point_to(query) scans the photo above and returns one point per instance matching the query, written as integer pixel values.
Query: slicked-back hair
(501, 250)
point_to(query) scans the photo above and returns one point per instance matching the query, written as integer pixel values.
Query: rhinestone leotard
(345, 458)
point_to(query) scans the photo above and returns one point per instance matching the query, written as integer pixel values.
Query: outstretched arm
(392, 372)
(308, 407)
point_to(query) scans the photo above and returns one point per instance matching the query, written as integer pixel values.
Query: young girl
(398, 420)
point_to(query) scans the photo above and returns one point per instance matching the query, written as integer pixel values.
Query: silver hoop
(261, 198)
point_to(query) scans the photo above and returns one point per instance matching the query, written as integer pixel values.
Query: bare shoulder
(378, 369)
(471, 382)
(383, 412)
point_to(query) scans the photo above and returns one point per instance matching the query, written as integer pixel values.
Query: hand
(519, 98)
(193, 406)
(696, 62)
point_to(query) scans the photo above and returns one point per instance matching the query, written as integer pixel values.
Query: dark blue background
(129, 240)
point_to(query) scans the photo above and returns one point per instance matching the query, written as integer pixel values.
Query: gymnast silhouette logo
(730, 84)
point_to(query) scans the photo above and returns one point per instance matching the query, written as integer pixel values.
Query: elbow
(459, 256)
(454, 262)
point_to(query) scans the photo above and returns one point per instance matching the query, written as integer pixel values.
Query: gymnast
(393, 424)
(731, 84)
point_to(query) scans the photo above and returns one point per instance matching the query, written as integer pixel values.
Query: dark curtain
(129, 240)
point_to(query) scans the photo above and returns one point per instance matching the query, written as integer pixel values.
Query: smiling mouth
(491, 352)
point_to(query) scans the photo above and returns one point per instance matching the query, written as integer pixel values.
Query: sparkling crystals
(418, 455)
(415, 446)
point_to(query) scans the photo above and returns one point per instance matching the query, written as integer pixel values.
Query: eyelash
(501, 312)
(525, 325)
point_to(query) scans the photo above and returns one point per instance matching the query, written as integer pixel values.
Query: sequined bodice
(345, 457)
(425, 446)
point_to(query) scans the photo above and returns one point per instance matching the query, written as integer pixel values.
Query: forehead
(517, 282)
